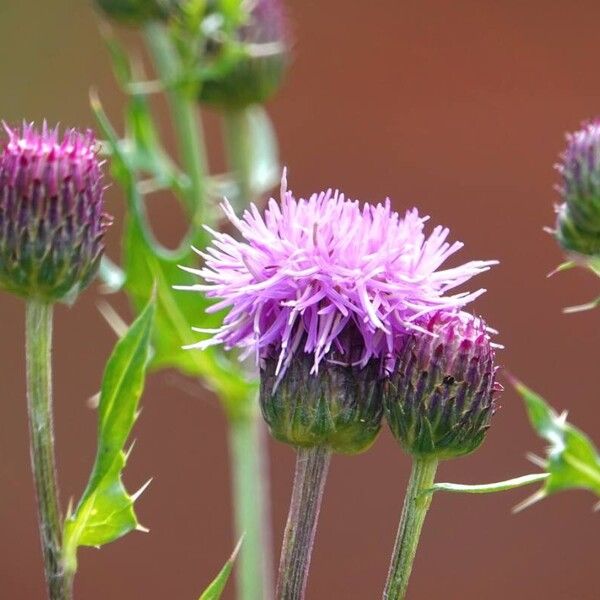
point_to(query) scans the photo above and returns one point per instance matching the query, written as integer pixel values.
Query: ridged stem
(312, 465)
(38, 333)
(416, 504)
(250, 484)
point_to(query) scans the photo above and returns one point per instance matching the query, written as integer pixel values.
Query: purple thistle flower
(440, 397)
(52, 219)
(326, 276)
(578, 227)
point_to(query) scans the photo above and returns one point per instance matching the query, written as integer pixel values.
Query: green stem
(251, 505)
(185, 115)
(416, 504)
(38, 331)
(312, 465)
(239, 146)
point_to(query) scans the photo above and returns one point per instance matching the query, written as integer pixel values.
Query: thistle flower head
(578, 227)
(256, 74)
(308, 271)
(52, 219)
(440, 396)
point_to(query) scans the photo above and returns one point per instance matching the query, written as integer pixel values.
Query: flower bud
(338, 407)
(136, 12)
(440, 395)
(578, 226)
(256, 73)
(52, 220)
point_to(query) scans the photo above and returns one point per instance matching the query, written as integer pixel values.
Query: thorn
(539, 495)
(137, 494)
(538, 461)
(69, 508)
(570, 310)
(93, 401)
(236, 550)
(115, 322)
(596, 507)
(129, 450)
(141, 528)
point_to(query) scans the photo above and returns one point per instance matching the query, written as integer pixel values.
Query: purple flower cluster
(312, 270)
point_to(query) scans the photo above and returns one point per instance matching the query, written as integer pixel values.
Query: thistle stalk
(312, 465)
(416, 505)
(39, 402)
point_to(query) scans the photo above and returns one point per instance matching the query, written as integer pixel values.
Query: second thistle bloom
(52, 219)
(578, 227)
(321, 290)
(441, 393)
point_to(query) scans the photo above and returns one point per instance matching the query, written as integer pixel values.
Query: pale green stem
(416, 504)
(250, 483)
(38, 335)
(185, 115)
(312, 465)
(238, 143)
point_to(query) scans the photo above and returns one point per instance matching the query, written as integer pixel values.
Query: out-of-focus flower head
(578, 228)
(254, 72)
(52, 219)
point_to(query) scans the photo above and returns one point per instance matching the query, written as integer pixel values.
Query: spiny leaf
(105, 511)
(572, 461)
(217, 586)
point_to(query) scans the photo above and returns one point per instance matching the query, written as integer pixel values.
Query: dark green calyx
(440, 396)
(136, 12)
(339, 407)
(248, 67)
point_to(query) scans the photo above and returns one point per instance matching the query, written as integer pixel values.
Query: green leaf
(148, 266)
(572, 460)
(105, 511)
(217, 586)
(176, 313)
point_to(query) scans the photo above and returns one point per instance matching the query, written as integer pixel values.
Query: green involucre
(339, 408)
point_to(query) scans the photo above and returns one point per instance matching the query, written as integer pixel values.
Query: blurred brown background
(458, 107)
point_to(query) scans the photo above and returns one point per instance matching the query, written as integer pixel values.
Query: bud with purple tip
(440, 395)
(578, 227)
(52, 219)
(256, 74)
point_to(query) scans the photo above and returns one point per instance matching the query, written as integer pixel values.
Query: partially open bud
(440, 395)
(256, 72)
(52, 220)
(578, 227)
(339, 406)
(136, 12)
